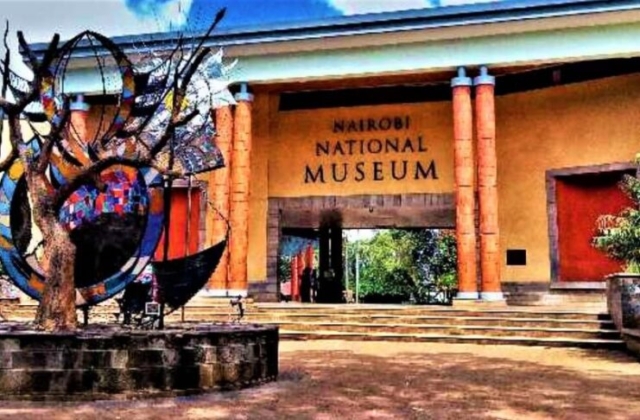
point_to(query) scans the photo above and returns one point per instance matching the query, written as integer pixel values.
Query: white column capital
(462, 79)
(484, 78)
(243, 95)
(79, 104)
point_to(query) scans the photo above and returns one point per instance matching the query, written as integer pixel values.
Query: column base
(474, 300)
(230, 293)
(492, 296)
(467, 296)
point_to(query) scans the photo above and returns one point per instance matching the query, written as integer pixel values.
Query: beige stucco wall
(576, 125)
(300, 140)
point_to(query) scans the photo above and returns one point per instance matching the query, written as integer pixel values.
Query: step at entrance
(510, 325)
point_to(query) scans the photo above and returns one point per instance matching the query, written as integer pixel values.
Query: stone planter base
(623, 300)
(632, 340)
(105, 362)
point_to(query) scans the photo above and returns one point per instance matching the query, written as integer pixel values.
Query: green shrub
(619, 235)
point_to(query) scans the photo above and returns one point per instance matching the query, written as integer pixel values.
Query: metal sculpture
(115, 185)
(81, 209)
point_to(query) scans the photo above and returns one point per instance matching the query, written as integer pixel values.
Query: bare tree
(151, 137)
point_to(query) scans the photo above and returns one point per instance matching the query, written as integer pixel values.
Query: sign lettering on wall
(379, 136)
(367, 150)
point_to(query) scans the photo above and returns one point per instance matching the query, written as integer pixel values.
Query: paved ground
(371, 380)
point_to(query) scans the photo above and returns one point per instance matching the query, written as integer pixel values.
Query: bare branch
(15, 131)
(45, 155)
(216, 20)
(18, 147)
(6, 36)
(5, 78)
(38, 72)
(6, 163)
(15, 136)
(193, 67)
(52, 139)
(52, 50)
(6, 70)
(6, 106)
(7, 61)
(185, 119)
(33, 60)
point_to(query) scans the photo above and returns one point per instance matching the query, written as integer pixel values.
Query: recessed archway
(351, 212)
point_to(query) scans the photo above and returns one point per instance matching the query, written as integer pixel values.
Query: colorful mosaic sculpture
(199, 155)
(124, 195)
(84, 207)
(116, 221)
(51, 96)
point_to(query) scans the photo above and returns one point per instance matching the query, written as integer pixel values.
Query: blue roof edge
(492, 12)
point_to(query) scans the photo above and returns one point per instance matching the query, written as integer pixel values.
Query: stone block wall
(112, 363)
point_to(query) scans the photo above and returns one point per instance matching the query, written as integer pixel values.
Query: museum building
(510, 122)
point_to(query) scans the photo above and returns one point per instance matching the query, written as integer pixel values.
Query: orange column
(488, 187)
(301, 263)
(239, 198)
(219, 193)
(464, 193)
(308, 257)
(301, 267)
(295, 277)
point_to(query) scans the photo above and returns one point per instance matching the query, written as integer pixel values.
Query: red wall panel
(581, 199)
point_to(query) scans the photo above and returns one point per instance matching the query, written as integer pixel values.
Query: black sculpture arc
(180, 279)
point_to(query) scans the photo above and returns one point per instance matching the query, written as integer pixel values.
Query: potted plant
(619, 237)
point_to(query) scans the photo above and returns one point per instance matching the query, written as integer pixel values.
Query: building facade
(511, 123)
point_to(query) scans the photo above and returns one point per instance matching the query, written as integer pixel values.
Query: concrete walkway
(373, 380)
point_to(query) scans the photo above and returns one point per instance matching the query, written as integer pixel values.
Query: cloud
(70, 17)
(463, 2)
(356, 7)
(168, 14)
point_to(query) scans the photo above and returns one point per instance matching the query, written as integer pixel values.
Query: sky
(39, 19)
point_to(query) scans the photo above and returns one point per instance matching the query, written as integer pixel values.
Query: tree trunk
(57, 309)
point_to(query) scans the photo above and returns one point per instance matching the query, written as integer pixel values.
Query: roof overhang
(495, 34)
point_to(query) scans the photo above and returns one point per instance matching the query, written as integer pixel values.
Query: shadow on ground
(348, 384)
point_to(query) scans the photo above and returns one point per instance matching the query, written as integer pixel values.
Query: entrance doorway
(368, 266)
(296, 225)
(311, 262)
